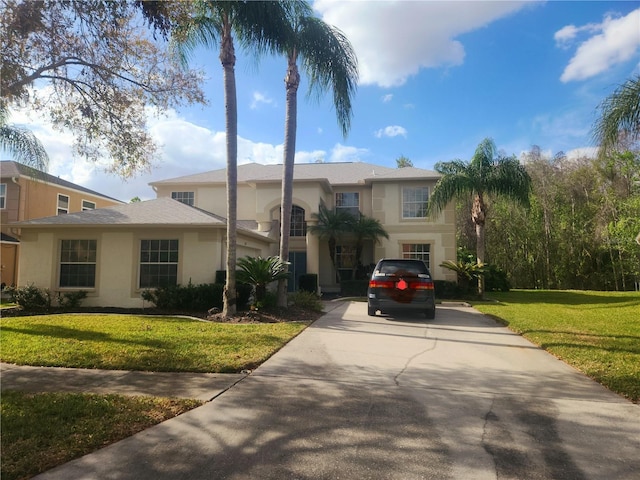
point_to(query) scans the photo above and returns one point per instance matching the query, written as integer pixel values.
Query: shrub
(354, 288)
(495, 280)
(308, 282)
(305, 300)
(447, 290)
(71, 300)
(31, 298)
(193, 298)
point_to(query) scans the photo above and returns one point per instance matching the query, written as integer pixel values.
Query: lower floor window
(420, 251)
(345, 256)
(158, 263)
(78, 263)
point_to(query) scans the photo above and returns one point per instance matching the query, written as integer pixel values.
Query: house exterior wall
(201, 253)
(27, 199)
(378, 198)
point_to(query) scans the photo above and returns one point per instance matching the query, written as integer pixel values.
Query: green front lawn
(40, 431)
(596, 332)
(134, 342)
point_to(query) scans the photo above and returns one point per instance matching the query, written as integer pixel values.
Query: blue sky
(435, 79)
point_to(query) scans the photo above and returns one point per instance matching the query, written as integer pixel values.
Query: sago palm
(329, 62)
(260, 272)
(257, 26)
(485, 175)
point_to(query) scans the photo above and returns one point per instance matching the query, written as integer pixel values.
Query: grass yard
(40, 431)
(134, 342)
(596, 332)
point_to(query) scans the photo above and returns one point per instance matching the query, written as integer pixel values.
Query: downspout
(15, 180)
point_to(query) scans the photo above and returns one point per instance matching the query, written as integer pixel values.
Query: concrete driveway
(358, 397)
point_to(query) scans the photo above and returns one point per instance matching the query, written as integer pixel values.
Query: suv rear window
(390, 267)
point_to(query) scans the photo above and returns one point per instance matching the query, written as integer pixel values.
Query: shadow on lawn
(564, 297)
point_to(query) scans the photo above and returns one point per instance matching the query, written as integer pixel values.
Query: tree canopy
(92, 70)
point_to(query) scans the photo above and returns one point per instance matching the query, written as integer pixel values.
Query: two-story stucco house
(26, 193)
(117, 252)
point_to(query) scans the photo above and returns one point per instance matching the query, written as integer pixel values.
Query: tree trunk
(291, 81)
(478, 214)
(228, 60)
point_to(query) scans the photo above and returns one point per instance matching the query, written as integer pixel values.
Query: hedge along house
(117, 252)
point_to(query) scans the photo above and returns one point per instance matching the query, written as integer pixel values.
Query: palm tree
(331, 225)
(485, 174)
(620, 116)
(258, 26)
(330, 64)
(21, 143)
(365, 229)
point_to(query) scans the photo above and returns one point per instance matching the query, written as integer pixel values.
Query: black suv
(401, 285)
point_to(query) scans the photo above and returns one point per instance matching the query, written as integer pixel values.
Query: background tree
(329, 62)
(91, 68)
(485, 174)
(21, 143)
(403, 162)
(258, 27)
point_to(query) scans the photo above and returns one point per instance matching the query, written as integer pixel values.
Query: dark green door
(297, 267)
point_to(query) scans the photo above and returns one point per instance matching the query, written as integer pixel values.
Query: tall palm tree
(21, 143)
(330, 64)
(331, 225)
(620, 114)
(365, 229)
(486, 174)
(258, 26)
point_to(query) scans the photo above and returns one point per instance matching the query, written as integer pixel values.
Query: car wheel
(431, 313)
(371, 311)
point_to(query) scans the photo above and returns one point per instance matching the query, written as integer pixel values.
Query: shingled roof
(9, 168)
(335, 173)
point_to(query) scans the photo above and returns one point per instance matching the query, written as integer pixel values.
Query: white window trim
(84, 209)
(402, 202)
(58, 207)
(193, 193)
(3, 196)
(140, 263)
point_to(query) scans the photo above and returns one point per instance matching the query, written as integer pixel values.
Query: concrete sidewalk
(200, 386)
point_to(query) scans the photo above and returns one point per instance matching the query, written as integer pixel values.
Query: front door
(297, 267)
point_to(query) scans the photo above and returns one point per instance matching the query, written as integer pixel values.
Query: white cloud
(391, 131)
(616, 40)
(393, 40)
(260, 99)
(343, 153)
(387, 98)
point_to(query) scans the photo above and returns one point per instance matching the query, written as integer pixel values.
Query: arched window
(298, 225)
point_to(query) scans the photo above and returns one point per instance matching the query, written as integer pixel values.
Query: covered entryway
(297, 267)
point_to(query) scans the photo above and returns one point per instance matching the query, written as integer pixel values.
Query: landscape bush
(305, 300)
(194, 298)
(34, 299)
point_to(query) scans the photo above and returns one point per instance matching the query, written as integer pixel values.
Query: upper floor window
(414, 202)
(3, 195)
(184, 197)
(87, 205)
(348, 202)
(298, 225)
(158, 263)
(63, 204)
(419, 251)
(78, 263)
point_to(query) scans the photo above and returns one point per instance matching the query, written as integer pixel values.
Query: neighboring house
(117, 252)
(26, 193)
